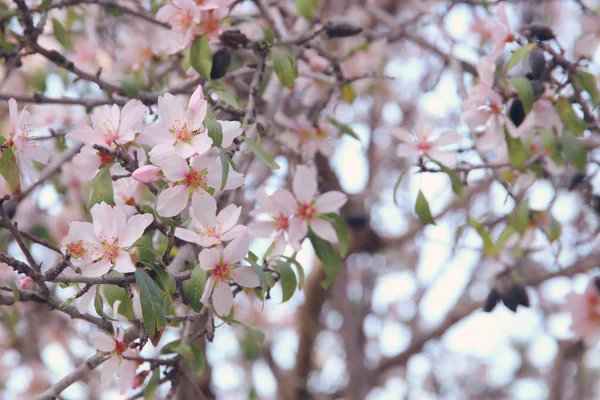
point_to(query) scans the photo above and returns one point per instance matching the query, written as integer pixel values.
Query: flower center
(221, 270)
(213, 231)
(76, 249)
(196, 180)
(211, 24)
(307, 211)
(105, 158)
(181, 132)
(111, 250)
(424, 146)
(120, 347)
(282, 223)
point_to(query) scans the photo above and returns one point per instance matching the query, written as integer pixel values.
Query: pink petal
(127, 373)
(236, 231)
(172, 201)
(407, 150)
(446, 158)
(402, 134)
(305, 184)
(246, 277)
(209, 258)
(187, 235)
(330, 201)
(324, 230)
(229, 216)
(201, 143)
(108, 371)
(298, 230)
(285, 202)
(103, 342)
(447, 138)
(174, 167)
(261, 229)
(134, 229)
(236, 250)
(13, 111)
(204, 207)
(231, 130)
(222, 298)
(123, 262)
(208, 289)
(132, 117)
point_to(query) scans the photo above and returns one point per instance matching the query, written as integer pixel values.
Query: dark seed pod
(220, 62)
(510, 299)
(539, 32)
(490, 302)
(234, 38)
(339, 27)
(576, 181)
(516, 112)
(538, 87)
(356, 221)
(537, 62)
(597, 283)
(521, 294)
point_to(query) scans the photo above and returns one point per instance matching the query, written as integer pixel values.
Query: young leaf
(62, 35)
(14, 288)
(264, 280)
(348, 93)
(100, 189)
(152, 306)
(299, 269)
(525, 91)
(194, 288)
(132, 84)
(201, 57)
(574, 151)
(227, 97)
(288, 280)
(152, 385)
(568, 117)
(332, 262)
(516, 151)
(307, 8)
(519, 218)
(588, 83)
(224, 167)
(422, 209)
(488, 245)
(284, 67)
(164, 279)
(261, 153)
(518, 55)
(457, 185)
(215, 132)
(341, 230)
(9, 169)
(343, 129)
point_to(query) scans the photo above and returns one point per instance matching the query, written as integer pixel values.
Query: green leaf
(146, 248)
(574, 151)
(9, 169)
(307, 8)
(506, 234)
(299, 269)
(189, 351)
(422, 209)
(215, 132)
(348, 93)
(152, 306)
(227, 97)
(113, 293)
(224, 167)
(516, 151)
(150, 388)
(588, 83)
(194, 287)
(44, 4)
(519, 218)
(62, 35)
(132, 84)
(457, 185)
(258, 335)
(518, 55)
(555, 229)
(488, 245)
(341, 230)
(332, 263)
(100, 189)
(261, 153)
(343, 129)
(284, 67)
(201, 57)
(397, 185)
(164, 279)
(264, 280)
(14, 288)
(287, 277)
(524, 90)
(568, 117)
(98, 303)
(269, 37)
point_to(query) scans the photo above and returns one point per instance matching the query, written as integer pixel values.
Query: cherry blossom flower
(97, 247)
(279, 222)
(116, 363)
(587, 44)
(307, 207)
(212, 229)
(111, 126)
(423, 143)
(224, 267)
(310, 138)
(182, 15)
(22, 142)
(585, 313)
(500, 29)
(191, 180)
(181, 126)
(147, 173)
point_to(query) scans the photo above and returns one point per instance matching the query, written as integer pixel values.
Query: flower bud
(220, 62)
(234, 38)
(516, 112)
(339, 27)
(147, 173)
(26, 283)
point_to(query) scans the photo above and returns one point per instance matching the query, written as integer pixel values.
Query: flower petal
(330, 201)
(98, 268)
(208, 289)
(246, 277)
(402, 134)
(204, 207)
(236, 250)
(324, 230)
(123, 262)
(222, 298)
(103, 342)
(134, 229)
(209, 258)
(305, 184)
(108, 371)
(172, 201)
(297, 232)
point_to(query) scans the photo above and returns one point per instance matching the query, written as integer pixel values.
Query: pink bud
(197, 99)
(26, 283)
(147, 173)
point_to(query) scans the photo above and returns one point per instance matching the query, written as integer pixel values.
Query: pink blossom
(310, 138)
(308, 207)
(500, 29)
(99, 246)
(585, 314)
(22, 141)
(422, 143)
(147, 173)
(211, 229)
(279, 222)
(224, 267)
(116, 363)
(183, 16)
(587, 44)
(191, 180)
(111, 126)
(181, 126)
(26, 283)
